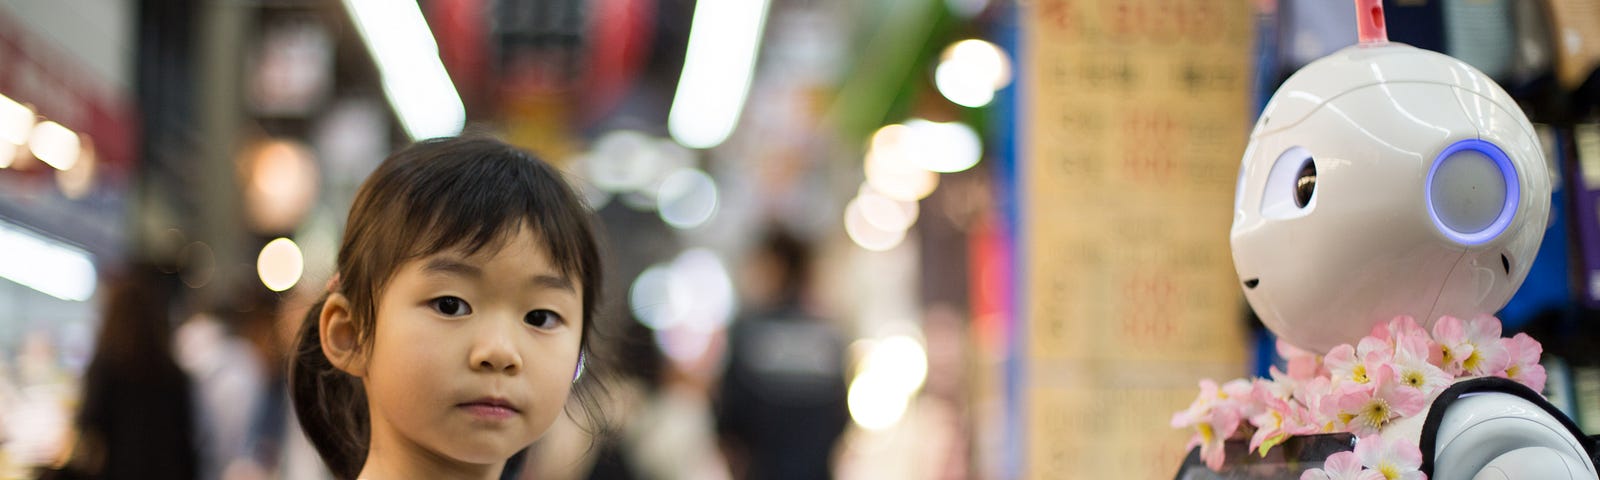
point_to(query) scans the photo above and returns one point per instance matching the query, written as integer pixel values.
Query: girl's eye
(542, 319)
(450, 306)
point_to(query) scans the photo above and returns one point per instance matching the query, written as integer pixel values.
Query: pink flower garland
(1393, 373)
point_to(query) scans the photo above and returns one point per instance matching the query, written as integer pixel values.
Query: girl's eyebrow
(554, 282)
(452, 266)
(457, 267)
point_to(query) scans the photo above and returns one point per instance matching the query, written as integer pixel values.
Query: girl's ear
(339, 336)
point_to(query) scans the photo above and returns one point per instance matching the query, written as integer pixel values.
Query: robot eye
(1305, 183)
(1290, 190)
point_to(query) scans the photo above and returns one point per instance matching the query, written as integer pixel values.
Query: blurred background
(920, 239)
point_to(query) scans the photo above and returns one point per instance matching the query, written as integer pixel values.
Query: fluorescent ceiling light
(717, 67)
(414, 79)
(49, 266)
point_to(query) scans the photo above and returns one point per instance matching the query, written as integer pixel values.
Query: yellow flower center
(1359, 374)
(1448, 358)
(1414, 378)
(1375, 414)
(1206, 433)
(1472, 361)
(1389, 470)
(1511, 371)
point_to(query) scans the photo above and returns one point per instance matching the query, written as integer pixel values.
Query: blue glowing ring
(1513, 192)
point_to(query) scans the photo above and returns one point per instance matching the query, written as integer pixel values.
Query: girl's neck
(391, 457)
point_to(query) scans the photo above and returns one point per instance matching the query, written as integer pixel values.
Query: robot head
(1386, 180)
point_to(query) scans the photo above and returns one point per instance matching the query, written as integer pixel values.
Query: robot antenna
(1370, 26)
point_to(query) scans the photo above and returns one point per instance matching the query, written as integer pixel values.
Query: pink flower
(1524, 366)
(1374, 348)
(1200, 408)
(1350, 364)
(1317, 395)
(1276, 407)
(1472, 347)
(1398, 459)
(1281, 385)
(1413, 369)
(1281, 420)
(1341, 466)
(1213, 434)
(1365, 409)
(1400, 326)
(1239, 395)
(1215, 416)
(1302, 364)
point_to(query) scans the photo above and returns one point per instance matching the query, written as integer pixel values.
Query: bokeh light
(650, 298)
(874, 404)
(886, 381)
(885, 213)
(867, 235)
(55, 145)
(970, 71)
(280, 264)
(694, 291)
(892, 171)
(16, 122)
(8, 153)
(281, 185)
(903, 359)
(76, 182)
(687, 198)
(944, 147)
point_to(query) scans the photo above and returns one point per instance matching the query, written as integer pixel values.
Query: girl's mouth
(490, 408)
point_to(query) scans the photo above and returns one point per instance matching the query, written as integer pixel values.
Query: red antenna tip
(1370, 27)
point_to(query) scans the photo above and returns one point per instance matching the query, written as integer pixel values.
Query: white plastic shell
(1374, 120)
(1499, 435)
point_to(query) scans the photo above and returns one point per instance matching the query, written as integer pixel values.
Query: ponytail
(330, 404)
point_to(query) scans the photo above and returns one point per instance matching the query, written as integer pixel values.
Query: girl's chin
(483, 453)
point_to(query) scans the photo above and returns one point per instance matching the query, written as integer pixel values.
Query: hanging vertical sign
(1136, 116)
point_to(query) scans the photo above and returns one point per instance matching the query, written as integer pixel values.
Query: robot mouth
(1251, 283)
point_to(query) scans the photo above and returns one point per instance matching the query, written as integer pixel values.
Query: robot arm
(1533, 462)
(1493, 428)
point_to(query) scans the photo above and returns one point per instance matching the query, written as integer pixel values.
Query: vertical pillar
(224, 27)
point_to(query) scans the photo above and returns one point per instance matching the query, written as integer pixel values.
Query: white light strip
(414, 79)
(55, 145)
(16, 121)
(717, 67)
(46, 265)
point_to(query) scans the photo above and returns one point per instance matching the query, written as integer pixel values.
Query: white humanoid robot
(1387, 180)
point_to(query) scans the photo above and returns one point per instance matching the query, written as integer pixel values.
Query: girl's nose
(495, 353)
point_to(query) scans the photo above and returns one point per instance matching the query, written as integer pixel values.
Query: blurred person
(257, 313)
(236, 359)
(228, 378)
(456, 327)
(663, 410)
(781, 402)
(671, 432)
(136, 417)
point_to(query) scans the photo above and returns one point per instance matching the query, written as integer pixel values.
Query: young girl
(458, 319)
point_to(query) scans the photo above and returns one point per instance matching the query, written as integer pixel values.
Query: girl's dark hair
(436, 195)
